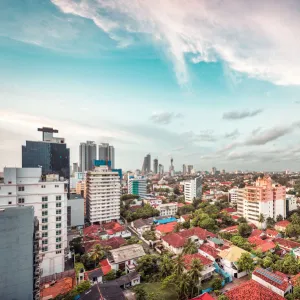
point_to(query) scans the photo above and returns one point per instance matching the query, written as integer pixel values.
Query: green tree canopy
(245, 263)
(244, 229)
(148, 266)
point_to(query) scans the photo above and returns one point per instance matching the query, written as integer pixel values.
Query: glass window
(44, 242)
(44, 199)
(44, 205)
(44, 213)
(58, 225)
(45, 234)
(58, 252)
(58, 232)
(58, 211)
(21, 188)
(45, 227)
(44, 249)
(58, 240)
(58, 204)
(44, 220)
(58, 246)
(58, 219)
(21, 200)
(58, 197)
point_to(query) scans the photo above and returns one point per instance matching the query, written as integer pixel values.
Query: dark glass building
(51, 154)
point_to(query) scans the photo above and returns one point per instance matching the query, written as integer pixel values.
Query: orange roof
(61, 287)
(205, 296)
(256, 232)
(265, 246)
(271, 232)
(166, 228)
(105, 266)
(255, 240)
(283, 223)
(113, 227)
(189, 258)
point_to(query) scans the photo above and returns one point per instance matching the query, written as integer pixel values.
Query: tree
(148, 266)
(190, 247)
(111, 275)
(166, 266)
(179, 265)
(98, 253)
(245, 263)
(239, 241)
(133, 240)
(244, 229)
(223, 297)
(270, 222)
(76, 245)
(140, 293)
(195, 274)
(216, 284)
(177, 227)
(295, 219)
(292, 230)
(279, 218)
(184, 286)
(149, 235)
(176, 190)
(267, 262)
(261, 219)
(241, 220)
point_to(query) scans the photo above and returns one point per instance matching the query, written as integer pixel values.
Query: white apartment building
(137, 186)
(168, 209)
(192, 189)
(48, 196)
(233, 195)
(103, 195)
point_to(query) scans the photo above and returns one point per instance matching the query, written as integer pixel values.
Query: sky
(209, 83)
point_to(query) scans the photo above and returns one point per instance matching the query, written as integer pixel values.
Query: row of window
(58, 212)
(45, 199)
(45, 242)
(45, 234)
(45, 249)
(22, 188)
(45, 227)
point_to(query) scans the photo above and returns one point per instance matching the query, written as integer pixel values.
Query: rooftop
(142, 222)
(114, 243)
(272, 232)
(209, 250)
(283, 223)
(127, 252)
(166, 228)
(205, 296)
(256, 232)
(232, 254)
(190, 257)
(165, 220)
(105, 266)
(61, 287)
(93, 273)
(286, 243)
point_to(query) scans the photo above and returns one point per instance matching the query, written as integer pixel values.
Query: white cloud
(258, 38)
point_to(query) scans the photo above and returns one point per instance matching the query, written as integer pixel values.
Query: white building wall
(23, 186)
(192, 189)
(169, 209)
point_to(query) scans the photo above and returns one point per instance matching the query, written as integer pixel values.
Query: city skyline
(209, 97)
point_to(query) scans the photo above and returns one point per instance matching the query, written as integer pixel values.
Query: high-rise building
(190, 168)
(87, 155)
(19, 260)
(147, 164)
(192, 189)
(107, 153)
(264, 198)
(184, 169)
(103, 192)
(48, 195)
(137, 186)
(233, 195)
(75, 210)
(172, 171)
(75, 168)
(155, 166)
(161, 169)
(213, 170)
(51, 154)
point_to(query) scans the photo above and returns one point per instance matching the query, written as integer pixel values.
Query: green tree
(241, 220)
(216, 284)
(295, 219)
(244, 229)
(176, 190)
(133, 240)
(195, 274)
(98, 253)
(279, 218)
(140, 293)
(184, 286)
(166, 266)
(261, 219)
(190, 247)
(296, 292)
(177, 227)
(179, 265)
(223, 297)
(149, 235)
(245, 263)
(267, 262)
(148, 266)
(292, 230)
(76, 246)
(111, 275)
(270, 222)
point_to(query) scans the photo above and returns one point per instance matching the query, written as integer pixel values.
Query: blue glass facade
(102, 162)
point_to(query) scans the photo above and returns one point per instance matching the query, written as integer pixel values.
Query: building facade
(51, 154)
(190, 168)
(168, 209)
(48, 196)
(137, 186)
(192, 189)
(155, 166)
(103, 195)
(147, 164)
(184, 169)
(87, 155)
(75, 210)
(233, 195)
(107, 153)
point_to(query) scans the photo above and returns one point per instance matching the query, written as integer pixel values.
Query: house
(94, 276)
(208, 268)
(229, 210)
(185, 218)
(278, 282)
(208, 251)
(105, 266)
(175, 242)
(113, 243)
(129, 280)
(255, 240)
(271, 233)
(205, 296)
(257, 232)
(215, 242)
(168, 209)
(164, 220)
(60, 287)
(114, 229)
(125, 258)
(142, 225)
(282, 225)
(229, 258)
(285, 244)
(266, 246)
(250, 290)
(164, 229)
(231, 229)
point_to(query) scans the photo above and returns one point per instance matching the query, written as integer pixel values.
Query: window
(21, 189)
(58, 211)
(45, 234)
(44, 249)
(44, 242)
(45, 227)
(43, 186)
(58, 197)
(58, 240)
(58, 246)
(58, 252)
(58, 204)
(44, 220)
(9, 202)
(58, 232)
(44, 199)
(21, 200)
(58, 225)
(56, 185)
(44, 206)
(58, 219)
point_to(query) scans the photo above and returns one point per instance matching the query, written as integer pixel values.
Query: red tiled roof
(114, 243)
(105, 266)
(228, 210)
(250, 290)
(256, 232)
(209, 250)
(283, 223)
(61, 287)
(252, 225)
(205, 296)
(186, 217)
(286, 243)
(283, 286)
(271, 232)
(230, 229)
(166, 228)
(189, 258)
(266, 246)
(235, 217)
(180, 204)
(113, 227)
(91, 230)
(296, 280)
(255, 240)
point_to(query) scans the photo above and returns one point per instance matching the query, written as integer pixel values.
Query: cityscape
(149, 150)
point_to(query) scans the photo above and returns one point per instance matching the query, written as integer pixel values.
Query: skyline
(188, 82)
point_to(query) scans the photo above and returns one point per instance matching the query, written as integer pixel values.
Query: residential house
(114, 229)
(60, 287)
(278, 282)
(125, 258)
(168, 209)
(94, 276)
(271, 233)
(265, 247)
(231, 229)
(113, 243)
(185, 218)
(285, 244)
(205, 296)
(164, 220)
(142, 225)
(105, 266)
(208, 251)
(282, 225)
(164, 229)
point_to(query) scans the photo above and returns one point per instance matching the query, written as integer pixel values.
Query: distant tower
(87, 155)
(147, 164)
(190, 168)
(155, 166)
(106, 153)
(172, 172)
(184, 169)
(213, 170)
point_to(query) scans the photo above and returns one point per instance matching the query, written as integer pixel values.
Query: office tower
(190, 168)
(223, 171)
(48, 195)
(75, 168)
(155, 166)
(263, 198)
(192, 189)
(87, 155)
(213, 170)
(137, 186)
(147, 164)
(161, 169)
(184, 169)
(107, 153)
(19, 260)
(51, 154)
(172, 171)
(103, 195)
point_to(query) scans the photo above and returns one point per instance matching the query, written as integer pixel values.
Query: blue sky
(210, 84)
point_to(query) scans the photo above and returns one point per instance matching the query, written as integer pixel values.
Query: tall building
(51, 154)
(264, 198)
(103, 192)
(190, 168)
(75, 210)
(213, 170)
(147, 164)
(192, 189)
(155, 166)
(161, 169)
(107, 153)
(172, 171)
(233, 195)
(48, 195)
(137, 186)
(87, 155)
(75, 168)
(19, 260)
(184, 169)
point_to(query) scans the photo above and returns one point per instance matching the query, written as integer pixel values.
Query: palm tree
(177, 227)
(166, 266)
(184, 286)
(179, 265)
(261, 219)
(195, 274)
(190, 247)
(98, 253)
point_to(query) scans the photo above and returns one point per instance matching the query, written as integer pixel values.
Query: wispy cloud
(165, 117)
(236, 115)
(232, 135)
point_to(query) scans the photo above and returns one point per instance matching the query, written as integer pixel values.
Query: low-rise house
(282, 225)
(152, 201)
(255, 240)
(164, 229)
(185, 218)
(250, 290)
(94, 276)
(230, 229)
(164, 220)
(168, 209)
(257, 232)
(285, 244)
(125, 258)
(142, 225)
(216, 242)
(129, 280)
(271, 233)
(114, 229)
(60, 287)
(208, 267)
(105, 266)
(266, 246)
(278, 282)
(208, 251)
